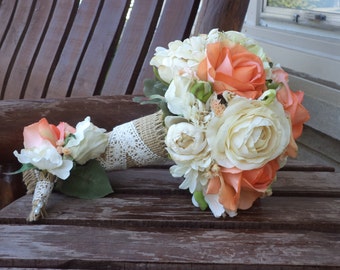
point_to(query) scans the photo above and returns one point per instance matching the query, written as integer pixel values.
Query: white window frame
(312, 57)
(321, 18)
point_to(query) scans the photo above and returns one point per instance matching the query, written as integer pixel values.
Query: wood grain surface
(149, 223)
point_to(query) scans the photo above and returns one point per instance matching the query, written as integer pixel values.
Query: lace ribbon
(127, 149)
(42, 191)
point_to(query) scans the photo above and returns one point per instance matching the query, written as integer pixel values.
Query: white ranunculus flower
(88, 142)
(46, 158)
(185, 142)
(187, 146)
(180, 58)
(249, 133)
(179, 99)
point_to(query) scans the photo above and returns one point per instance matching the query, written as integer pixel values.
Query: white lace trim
(125, 141)
(43, 188)
(42, 191)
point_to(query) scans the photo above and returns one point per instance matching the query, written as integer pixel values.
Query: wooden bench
(60, 60)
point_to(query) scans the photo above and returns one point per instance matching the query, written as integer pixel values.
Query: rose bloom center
(185, 140)
(246, 140)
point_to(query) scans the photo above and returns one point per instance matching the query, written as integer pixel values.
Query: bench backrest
(63, 48)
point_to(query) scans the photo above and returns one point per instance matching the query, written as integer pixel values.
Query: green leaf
(154, 87)
(199, 197)
(88, 181)
(202, 91)
(23, 168)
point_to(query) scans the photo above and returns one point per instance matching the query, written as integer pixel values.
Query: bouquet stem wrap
(43, 188)
(136, 144)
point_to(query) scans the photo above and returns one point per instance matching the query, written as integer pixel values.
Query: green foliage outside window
(299, 4)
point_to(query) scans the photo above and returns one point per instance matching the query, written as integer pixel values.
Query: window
(308, 47)
(322, 14)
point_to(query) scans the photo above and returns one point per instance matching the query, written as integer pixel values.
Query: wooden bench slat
(11, 187)
(316, 184)
(178, 23)
(142, 180)
(50, 49)
(73, 49)
(30, 46)
(176, 210)
(13, 41)
(88, 247)
(298, 165)
(294, 204)
(133, 41)
(7, 10)
(95, 63)
(205, 21)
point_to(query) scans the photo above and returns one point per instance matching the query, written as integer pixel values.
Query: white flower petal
(88, 142)
(63, 171)
(216, 208)
(46, 158)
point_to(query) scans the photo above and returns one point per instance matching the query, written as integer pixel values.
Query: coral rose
(291, 102)
(42, 141)
(233, 69)
(36, 133)
(239, 189)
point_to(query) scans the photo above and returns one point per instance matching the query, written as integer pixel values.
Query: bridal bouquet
(231, 119)
(228, 121)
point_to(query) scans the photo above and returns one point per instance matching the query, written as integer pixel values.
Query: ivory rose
(87, 143)
(187, 146)
(234, 69)
(249, 133)
(185, 142)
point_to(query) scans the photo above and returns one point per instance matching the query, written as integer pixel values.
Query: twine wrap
(30, 180)
(135, 144)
